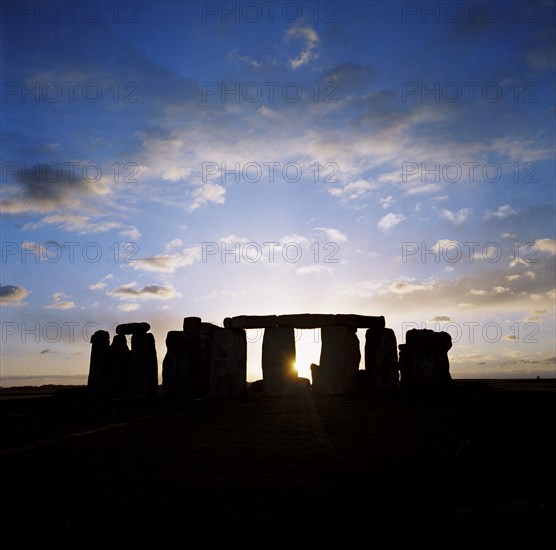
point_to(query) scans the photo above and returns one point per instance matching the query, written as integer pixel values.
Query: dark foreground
(474, 465)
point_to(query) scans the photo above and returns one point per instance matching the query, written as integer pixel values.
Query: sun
(307, 351)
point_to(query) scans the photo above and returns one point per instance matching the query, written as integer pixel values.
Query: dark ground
(474, 465)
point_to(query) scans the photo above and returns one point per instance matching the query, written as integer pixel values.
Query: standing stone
(381, 359)
(174, 375)
(339, 361)
(424, 359)
(182, 367)
(144, 366)
(120, 356)
(100, 369)
(278, 359)
(228, 367)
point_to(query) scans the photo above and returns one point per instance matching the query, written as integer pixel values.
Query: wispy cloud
(169, 262)
(130, 292)
(59, 301)
(309, 52)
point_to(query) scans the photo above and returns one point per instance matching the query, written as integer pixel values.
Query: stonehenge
(423, 359)
(381, 360)
(117, 371)
(278, 360)
(204, 360)
(100, 368)
(339, 361)
(304, 321)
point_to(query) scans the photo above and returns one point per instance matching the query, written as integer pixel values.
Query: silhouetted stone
(182, 366)
(176, 377)
(100, 368)
(191, 323)
(339, 361)
(228, 366)
(120, 356)
(144, 366)
(423, 359)
(133, 328)
(304, 321)
(278, 358)
(319, 320)
(206, 335)
(256, 386)
(381, 359)
(250, 321)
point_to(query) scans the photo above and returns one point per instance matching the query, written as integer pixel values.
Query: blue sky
(169, 159)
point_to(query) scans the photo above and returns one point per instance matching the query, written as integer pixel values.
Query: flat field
(474, 464)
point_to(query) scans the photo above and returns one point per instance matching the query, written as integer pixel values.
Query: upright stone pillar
(424, 359)
(144, 365)
(99, 382)
(120, 356)
(175, 376)
(228, 365)
(278, 359)
(381, 360)
(339, 361)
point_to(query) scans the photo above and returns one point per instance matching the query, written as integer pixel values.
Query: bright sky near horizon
(170, 159)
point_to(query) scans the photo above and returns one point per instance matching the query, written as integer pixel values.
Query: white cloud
(128, 307)
(169, 262)
(77, 223)
(503, 212)
(405, 287)
(500, 289)
(389, 221)
(388, 201)
(352, 191)
(335, 235)
(97, 286)
(546, 245)
(133, 233)
(456, 217)
(208, 192)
